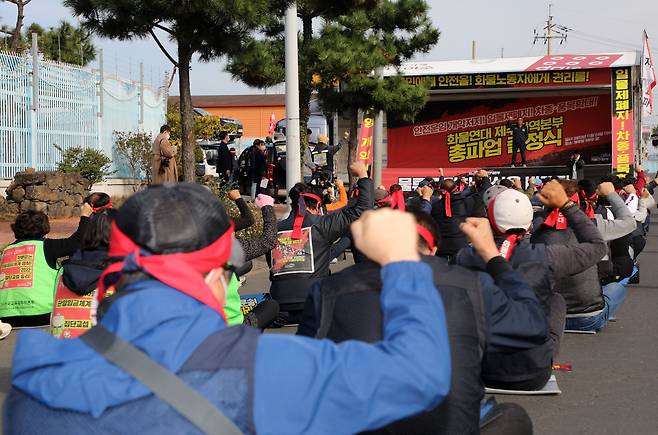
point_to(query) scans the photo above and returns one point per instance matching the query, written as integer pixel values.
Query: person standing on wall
(519, 138)
(224, 159)
(576, 167)
(164, 158)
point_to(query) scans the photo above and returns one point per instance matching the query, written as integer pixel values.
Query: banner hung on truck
(462, 134)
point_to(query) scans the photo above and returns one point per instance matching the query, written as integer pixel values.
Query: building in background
(253, 110)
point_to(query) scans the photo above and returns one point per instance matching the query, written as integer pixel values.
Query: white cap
(510, 210)
(492, 192)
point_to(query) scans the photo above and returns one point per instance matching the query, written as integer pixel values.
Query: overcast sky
(598, 26)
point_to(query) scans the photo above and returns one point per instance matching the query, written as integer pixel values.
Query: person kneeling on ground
(480, 308)
(28, 269)
(175, 241)
(304, 251)
(510, 215)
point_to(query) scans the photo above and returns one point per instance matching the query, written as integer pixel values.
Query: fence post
(35, 101)
(141, 96)
(99, 115)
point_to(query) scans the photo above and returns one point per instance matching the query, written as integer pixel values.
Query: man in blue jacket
(175, 243)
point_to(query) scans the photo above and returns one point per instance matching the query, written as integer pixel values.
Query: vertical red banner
(364, 149)
(623, 139)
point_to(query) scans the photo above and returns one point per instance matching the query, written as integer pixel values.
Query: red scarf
(589, 208)
(397, 200)
(183, 271)
(506, 249)
(447, 202)
(425, 234)
(556, 219)
(301, 213)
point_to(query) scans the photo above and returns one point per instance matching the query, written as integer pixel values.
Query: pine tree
(64, 43)
(207, 28)
(338, 58)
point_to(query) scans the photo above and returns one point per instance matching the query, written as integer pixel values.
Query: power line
(551, 31)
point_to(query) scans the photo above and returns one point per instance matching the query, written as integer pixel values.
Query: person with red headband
(166, 320)
(305, 239)
(346, 306)
(453, 209)
(28, 267)
(510, 216)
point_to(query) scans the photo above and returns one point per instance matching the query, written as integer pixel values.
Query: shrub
(220, 188)
(135, 150)
(92, 164)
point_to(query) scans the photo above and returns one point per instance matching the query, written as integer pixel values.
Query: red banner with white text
(467, 134)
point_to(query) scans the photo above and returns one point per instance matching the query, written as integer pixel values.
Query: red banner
(364, 149)
(553, 77)
(18, 267)
(559, 62)
(467, 134)
(622, 121)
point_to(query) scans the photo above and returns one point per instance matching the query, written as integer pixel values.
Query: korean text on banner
(648, 78)
(622, 121)
(364, 150)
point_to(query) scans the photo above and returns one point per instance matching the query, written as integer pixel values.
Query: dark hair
(570, 187)
(507, 183)
(31, 225)
(300, 188)
(164, 128)
(426, 221)
(98, 230)
(448, 185)
(395, 188)
(98, 199)
(222, 135)
(587, 186)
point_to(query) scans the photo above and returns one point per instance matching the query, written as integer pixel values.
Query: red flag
(364, 148)
(270, 131)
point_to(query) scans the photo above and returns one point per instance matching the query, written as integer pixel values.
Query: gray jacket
(623, 223)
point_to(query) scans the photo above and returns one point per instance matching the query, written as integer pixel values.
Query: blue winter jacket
(300, 385)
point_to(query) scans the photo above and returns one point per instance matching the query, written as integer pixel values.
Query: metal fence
(46, 106)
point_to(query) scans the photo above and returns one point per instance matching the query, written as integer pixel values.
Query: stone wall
(54, 193)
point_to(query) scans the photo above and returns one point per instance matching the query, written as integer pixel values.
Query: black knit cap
(173, 217)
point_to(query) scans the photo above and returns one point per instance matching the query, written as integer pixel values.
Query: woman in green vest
(28, 268)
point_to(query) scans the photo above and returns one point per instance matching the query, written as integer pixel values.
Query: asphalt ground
(612, 389)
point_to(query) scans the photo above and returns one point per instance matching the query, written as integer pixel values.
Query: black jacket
(463, 204)
(224, 160)
(311, 260)
(259, 166)
(346, 306)
(519, 134)
(580, 168)
(82, 270)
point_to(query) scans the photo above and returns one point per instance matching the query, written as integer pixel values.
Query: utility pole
(502, 52)
(473, 50)
(551, 31)
(293, 149)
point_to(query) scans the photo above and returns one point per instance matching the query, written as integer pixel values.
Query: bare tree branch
(166, 53)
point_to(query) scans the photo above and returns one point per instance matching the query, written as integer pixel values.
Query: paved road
(613, 388)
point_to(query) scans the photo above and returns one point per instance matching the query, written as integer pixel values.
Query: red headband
(102, 207)
(301, 213)
(397, 200)
(426, 235)
(589, 209)
(182, 271)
